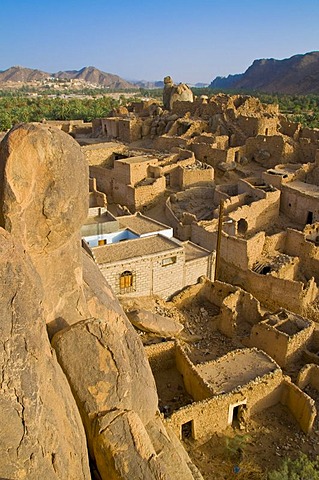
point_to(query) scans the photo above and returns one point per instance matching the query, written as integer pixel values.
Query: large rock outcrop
(43, 200)
(41, 433)
(43, 203)
(173, 93)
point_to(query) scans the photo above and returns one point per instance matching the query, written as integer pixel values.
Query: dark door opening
(187, 430)
(309, 218)
(235, 421)
(238, 414)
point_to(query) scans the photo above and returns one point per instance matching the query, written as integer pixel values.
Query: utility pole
(219, 238)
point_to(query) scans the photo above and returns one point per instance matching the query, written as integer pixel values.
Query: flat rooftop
(237, 368)
(139, 247)
(304, 188)
(105, 145)
(139, 159)
(192, 251)
(140, 224)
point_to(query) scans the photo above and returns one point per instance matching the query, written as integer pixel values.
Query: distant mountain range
(90, 75)
(296, 75)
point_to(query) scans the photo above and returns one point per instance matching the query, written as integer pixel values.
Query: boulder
(43, 203)
(152, 322)
(41, 434)
(173, 93)
(111, 373)
(137, 460)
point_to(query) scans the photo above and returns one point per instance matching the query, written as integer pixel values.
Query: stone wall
(238, 308)
(301, 406)
(259, 214)
(146, 194)
(161, 356)
(194, 384)
(149, 276)
(275, 292)
(188, 178)
(104, 179)
(282, 347)
(204, 266)
(309, 375)
(211, 416)
(210, 154)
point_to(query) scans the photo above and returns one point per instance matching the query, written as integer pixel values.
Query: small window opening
(187, 430)
(266, 269)
(242, 226)
(168, 261)
(102, 242)
(266, 131)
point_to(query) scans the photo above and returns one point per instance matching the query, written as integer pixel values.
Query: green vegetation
(300, 469)
(17, 108)
(29, 105)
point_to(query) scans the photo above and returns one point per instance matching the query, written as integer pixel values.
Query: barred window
(127, 282)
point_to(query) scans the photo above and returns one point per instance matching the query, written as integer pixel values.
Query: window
(127, 282)
(168, 261)
(102, 242)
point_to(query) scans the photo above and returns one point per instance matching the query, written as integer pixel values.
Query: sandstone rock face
(41, 434)
(151, 322)
(173, 93)
(51, 283)
(111, 373)
(43, 203)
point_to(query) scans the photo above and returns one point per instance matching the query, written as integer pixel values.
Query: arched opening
(127, 281)
(242, 226)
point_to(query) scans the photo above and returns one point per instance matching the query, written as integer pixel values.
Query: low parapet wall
(161, 356)
(300, 404)
(195, 385)
(309, 375)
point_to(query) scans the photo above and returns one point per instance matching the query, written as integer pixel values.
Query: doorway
(235, 413)
(309, 218)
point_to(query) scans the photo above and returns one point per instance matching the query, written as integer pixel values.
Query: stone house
(283, 335)
(152, 265)
(300, 201)
(139, 256)
(222, 392)
(135, 181)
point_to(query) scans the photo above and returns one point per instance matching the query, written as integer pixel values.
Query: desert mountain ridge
(298, 74)
(89, 74)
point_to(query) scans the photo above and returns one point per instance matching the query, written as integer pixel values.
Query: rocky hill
(96, 77)
(22, 74)
(90, 75)
(295, 75)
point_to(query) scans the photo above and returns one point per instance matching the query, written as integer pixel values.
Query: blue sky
(139, 39)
